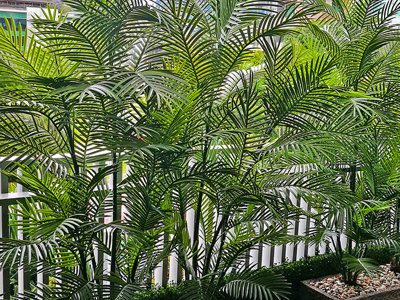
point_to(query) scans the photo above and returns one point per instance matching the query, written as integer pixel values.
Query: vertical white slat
(331, 247)
(190, 222)
(106, 258)
(42, 279)
(166, 265)
(109, 180)
(22, 273)
(254, 252)
(19, 187)
(289, 248)
(173, 269)
(266, 252)
(158, 272)
(202, 246)
(302, 230)
(231, 232)
(95, 168)
(107, 219)
(57, 276)
(123, 206)
(311, 225)
(217, 218)
(343, 241)
(266, 256)
(158, 275)
(322, 248)
(254, 258)
(278, 255)
(4, 233)
(190, 215)
(289, 253)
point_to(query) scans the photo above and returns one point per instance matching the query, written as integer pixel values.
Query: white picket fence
(168, 272)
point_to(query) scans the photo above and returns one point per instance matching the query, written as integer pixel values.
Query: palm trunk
(115, 210)
(196, 228)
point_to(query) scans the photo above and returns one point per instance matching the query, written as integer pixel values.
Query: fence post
(42, 278)
(165, 265)
(23, 273)
(5, 233)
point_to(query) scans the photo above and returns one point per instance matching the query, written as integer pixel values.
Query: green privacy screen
(18, 17)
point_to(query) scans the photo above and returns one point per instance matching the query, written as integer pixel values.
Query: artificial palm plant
(57, 120)
(361, 38)
(235, 120)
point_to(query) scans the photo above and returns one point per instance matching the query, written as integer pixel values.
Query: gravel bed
(366, 285)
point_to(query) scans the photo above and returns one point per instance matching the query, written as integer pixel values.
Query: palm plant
(57, 120)
(234, 120)
(360, 37)
(237, 131)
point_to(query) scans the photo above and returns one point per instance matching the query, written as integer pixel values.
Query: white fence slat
(302, 226)
(42, 279)
(173, 269)
(4, 233)
(20, 272)
(278, 255)
(158, 275)
(266, 256)
(254, 252)
(322, 248)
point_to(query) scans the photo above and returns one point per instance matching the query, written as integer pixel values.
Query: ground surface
(335, 287)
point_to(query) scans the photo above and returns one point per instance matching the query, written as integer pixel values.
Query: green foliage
(260, 285)
(359, 265)
(359, 37)
(382, 255)
(324, 265)
(308, 268)
(255, 59)
(304, 269)
(160, 90)
(321, 266)
(167, 293)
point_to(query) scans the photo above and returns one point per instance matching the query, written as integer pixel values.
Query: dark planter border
(309, 292)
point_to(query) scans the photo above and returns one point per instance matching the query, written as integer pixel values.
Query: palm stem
(114, 214)
(198, 207)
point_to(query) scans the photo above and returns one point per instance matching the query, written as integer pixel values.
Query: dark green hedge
(320, 266)
(168, 293)
(308, 268)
